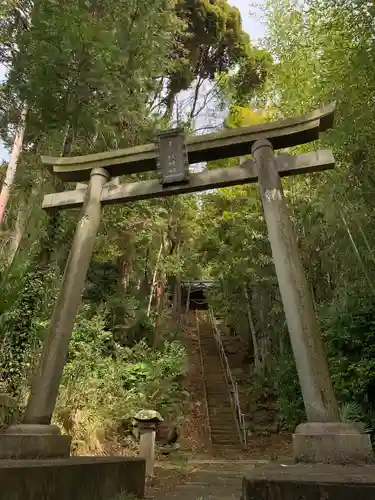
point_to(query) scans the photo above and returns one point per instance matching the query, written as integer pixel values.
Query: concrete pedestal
(309, 482)
(29, 441)
(75, 478)
(331, 443)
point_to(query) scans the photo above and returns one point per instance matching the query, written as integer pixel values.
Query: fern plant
(351, 413)
(125, 496)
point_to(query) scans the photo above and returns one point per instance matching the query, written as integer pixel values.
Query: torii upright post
(45, 388)
(323, 438)
(36, 437)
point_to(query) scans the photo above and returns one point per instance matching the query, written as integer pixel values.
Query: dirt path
(204, 476)
(213, 480)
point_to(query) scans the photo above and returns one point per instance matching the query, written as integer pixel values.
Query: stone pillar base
(332, 443)
(27, 441)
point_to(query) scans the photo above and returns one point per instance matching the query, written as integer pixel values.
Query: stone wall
(309, 482)
(75, 478)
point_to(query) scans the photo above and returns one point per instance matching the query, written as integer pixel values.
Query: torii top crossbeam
(225, 144)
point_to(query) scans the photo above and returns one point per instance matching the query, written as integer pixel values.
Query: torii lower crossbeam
(287, 165)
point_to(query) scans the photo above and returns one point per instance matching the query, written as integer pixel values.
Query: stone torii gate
(323, 438)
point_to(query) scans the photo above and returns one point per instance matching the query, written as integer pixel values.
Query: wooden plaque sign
(172, 160)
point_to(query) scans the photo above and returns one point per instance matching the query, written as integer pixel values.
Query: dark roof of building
(198, 284)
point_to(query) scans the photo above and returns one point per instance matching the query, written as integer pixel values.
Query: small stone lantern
(147, 421)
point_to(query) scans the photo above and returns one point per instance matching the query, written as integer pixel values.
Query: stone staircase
(221, 416)
(195, 430)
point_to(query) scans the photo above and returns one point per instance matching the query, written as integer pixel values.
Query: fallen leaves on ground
(165, 480)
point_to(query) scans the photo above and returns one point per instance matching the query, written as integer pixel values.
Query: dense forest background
(93, 75)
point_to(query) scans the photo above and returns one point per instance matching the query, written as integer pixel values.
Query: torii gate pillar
(324, 439)
(36, 437)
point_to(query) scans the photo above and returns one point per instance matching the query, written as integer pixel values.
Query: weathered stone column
(36, 432)
(147, 434)
(307, 344)
(148, 420)
(44, 392)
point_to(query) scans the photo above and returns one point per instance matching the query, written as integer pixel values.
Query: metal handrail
(235, 399)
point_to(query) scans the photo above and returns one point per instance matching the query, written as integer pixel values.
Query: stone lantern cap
(148, 416)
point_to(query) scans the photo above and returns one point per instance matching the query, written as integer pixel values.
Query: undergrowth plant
(102, 389)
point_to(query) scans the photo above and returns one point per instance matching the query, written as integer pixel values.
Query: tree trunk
(357, 253)
(13, 163)
(153, 283)
(125, 264)
(19, 229)
(47, 243)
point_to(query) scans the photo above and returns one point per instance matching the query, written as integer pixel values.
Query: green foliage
(214, 43)
(23, 296)
(124, 496)
(350, 339)
(105, 384)
(283, 384)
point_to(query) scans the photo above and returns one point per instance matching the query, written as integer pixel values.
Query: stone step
(224, 411)
(230, 432)
(231, 437)
(226, 426)
(220, 424)
(225, 443)
(220, 442)
(227, 433)
(221, 419)
(218, 400)
(215, 380)
(224, 417)
(219, 396)
(219, 385)
(217, 410)
(224, 438)
(222, 395)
